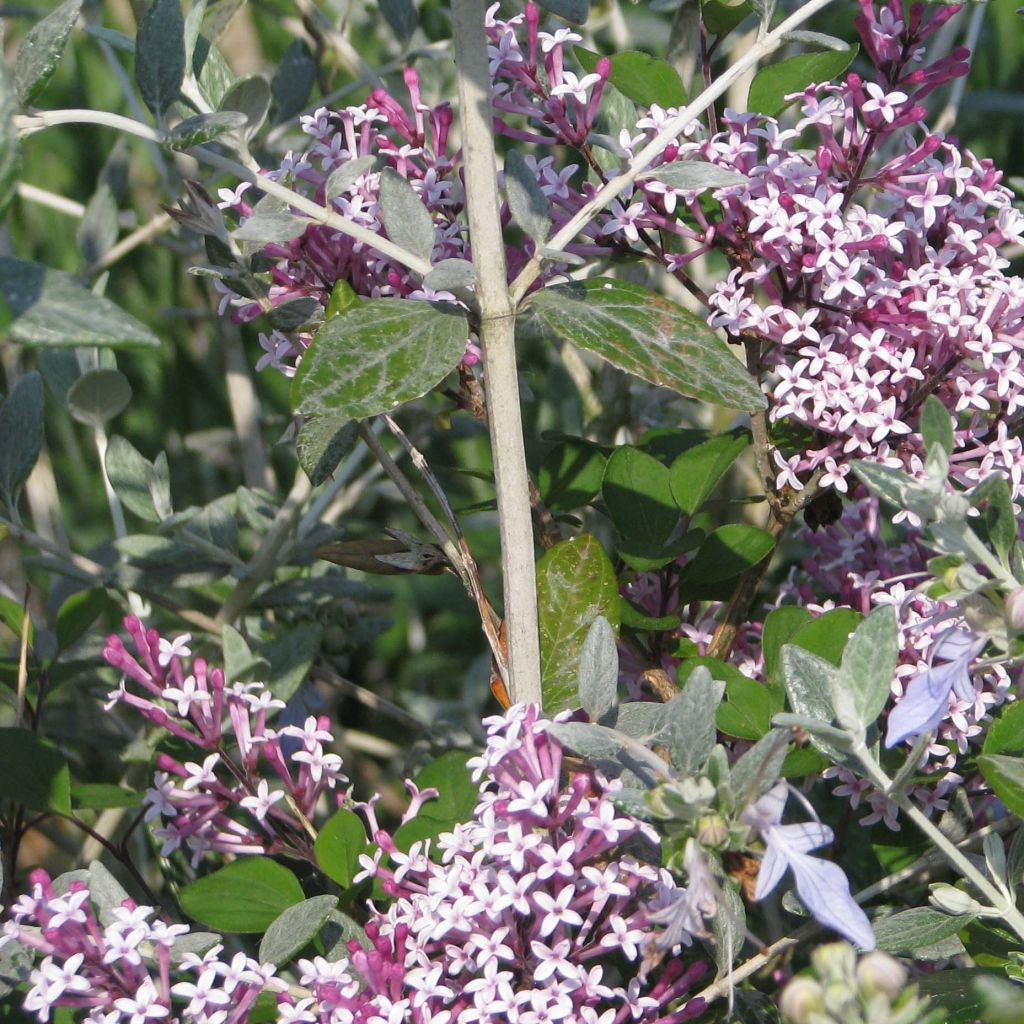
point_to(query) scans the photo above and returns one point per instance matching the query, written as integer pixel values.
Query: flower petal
(924, 704)
(825, 892)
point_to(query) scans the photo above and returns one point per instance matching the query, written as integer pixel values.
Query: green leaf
(322, 442)
(33, 772)
(695, 473)
(780, 625)
(160, 55)
(401, 17)
(98, 796)
(341, 179)
(570, 475)
(339, 845)
(827, 635)
(293, 81)
(338, 932)
(42, 48)
(722, 16)
(271, 226)
(936, 425)
(449, 275)
(526, 202)
(244, 897)
(378, 355)
(644, 79)
(78, 613)
(776, 81)
(98, 229)
(250, 95)
(144, 487)
(12, 614)
(457, 796)
(810, 683)
(295, 928)
(52, 308)
(575, 584)
(291, 655)
(905, 933)
(638, 494)
(954, 995)
(406, 219)
(643, 333)
(727, 552)
(99, 396)
(690, 715)
(749, 705)
(21, 436)
(1000, 521)
(694, 175)
(203, 128)
(10, 152)
(869, 663)
(576, 11)
(1006, 777)
(240, 664)
(1006, 734)
(598, 678)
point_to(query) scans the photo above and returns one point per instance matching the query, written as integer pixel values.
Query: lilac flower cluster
(225, 804)
(534, 909)
(849, 561)
(123, 971)
(867, 266)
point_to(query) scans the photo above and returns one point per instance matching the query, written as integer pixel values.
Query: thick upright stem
(497, 337)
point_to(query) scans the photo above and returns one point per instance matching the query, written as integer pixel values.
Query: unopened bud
(1015, 610)
(801, 1000)
(953, 900)
(712, 831)
(879, 972)
(835, 961)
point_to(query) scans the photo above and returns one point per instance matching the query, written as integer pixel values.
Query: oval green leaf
(339, 845)
(643, 333)
(575, 584)
(246, 896)
(295, 928)
(378, 355)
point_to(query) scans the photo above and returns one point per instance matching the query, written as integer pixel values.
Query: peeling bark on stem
(497, 338)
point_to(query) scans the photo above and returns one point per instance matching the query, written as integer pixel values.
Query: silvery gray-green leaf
(41, 50)
(295, 928)
(810, 682)
(271, 227)
(99, 396)
(526, 200)
(193, 27)
(16, 963)
(194, 943)
(401, 17)
(450, 274)
(292, 83)
(21, 436)
(160, 54)
(599, 669)
(338, 931)
(342, 178)
(10, 147)
(240, 664)
(50, 307)
(105, 891)
(691, 717)
(251, 96)
(899, 488)
(406, 220)
(694, 175)
(322, 442)
(98, 229)
(869, 663)
(142, 486)
(203, 128)
(642, 720)
(757, 769)
(908, 932)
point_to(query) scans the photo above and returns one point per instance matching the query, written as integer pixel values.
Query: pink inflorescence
(869, 273)
(225, 803)
(129, 968)
(533, 911)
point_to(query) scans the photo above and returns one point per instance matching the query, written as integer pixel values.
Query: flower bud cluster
(224, 803)
(840, 989)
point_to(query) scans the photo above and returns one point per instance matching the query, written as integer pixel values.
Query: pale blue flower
(925, 703)
(821, 885)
